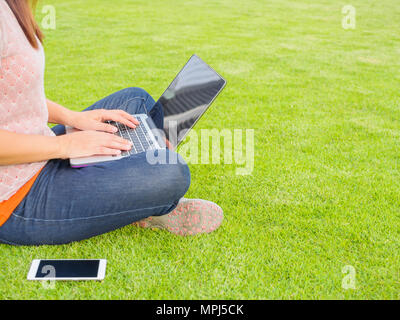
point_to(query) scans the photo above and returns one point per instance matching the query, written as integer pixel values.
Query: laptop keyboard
(139, 137)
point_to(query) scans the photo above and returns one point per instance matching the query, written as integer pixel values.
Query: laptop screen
(188, 97)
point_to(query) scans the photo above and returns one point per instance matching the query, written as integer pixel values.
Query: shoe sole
(190, 217)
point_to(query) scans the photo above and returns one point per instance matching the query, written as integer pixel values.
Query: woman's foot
(190, 217)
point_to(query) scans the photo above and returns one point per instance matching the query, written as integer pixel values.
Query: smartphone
(67, 270)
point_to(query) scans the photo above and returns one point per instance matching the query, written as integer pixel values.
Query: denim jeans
(66, 204)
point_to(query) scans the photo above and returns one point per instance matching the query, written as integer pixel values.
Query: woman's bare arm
(18, 148)
(59, 114)
(89, 120)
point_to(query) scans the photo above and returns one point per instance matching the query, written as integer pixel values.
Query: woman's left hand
(95, 120)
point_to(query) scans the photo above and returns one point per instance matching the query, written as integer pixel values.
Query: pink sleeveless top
(22, 99)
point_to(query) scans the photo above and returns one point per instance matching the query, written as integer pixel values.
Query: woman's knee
(183, 173)
(137, 100)
(165, 176)
(174, 177)
(136, 92)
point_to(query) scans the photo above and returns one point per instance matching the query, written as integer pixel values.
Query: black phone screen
(68, 269)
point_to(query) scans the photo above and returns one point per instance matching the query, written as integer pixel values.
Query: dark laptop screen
(188, 97)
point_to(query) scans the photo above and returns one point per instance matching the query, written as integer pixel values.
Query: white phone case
(35, 265)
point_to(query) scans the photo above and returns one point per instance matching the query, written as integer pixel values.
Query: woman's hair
(23, 11)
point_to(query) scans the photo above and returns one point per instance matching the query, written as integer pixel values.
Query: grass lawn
(324, 104)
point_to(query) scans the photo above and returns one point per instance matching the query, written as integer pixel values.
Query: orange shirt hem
(7, 207)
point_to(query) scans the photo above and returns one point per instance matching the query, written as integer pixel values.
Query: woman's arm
(18, 148)
(58, 114)
(89, 120)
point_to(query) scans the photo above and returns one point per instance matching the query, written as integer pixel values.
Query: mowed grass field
(324, 104)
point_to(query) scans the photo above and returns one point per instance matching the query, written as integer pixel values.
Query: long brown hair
(23, 11)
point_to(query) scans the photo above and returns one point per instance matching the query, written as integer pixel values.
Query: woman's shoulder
(8, 29)
(4, 9)
(6, 14)
(7, 18)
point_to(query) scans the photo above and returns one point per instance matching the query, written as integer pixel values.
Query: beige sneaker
(190, 217)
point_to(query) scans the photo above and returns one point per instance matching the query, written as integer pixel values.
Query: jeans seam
(86, 218)
(9, 242)
(145, 103)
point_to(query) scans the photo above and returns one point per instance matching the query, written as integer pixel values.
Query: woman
(42, 199)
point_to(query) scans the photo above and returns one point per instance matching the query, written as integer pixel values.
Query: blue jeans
(66, 204)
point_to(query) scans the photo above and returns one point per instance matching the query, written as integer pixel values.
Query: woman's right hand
(89, 143)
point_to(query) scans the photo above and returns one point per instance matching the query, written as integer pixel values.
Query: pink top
(22, 99)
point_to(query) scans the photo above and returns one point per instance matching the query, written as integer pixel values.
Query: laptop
(184, 102)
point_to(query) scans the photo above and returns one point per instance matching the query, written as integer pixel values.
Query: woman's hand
(89, 143)
(95, 120)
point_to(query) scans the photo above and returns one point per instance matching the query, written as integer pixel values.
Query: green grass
(324, 103)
